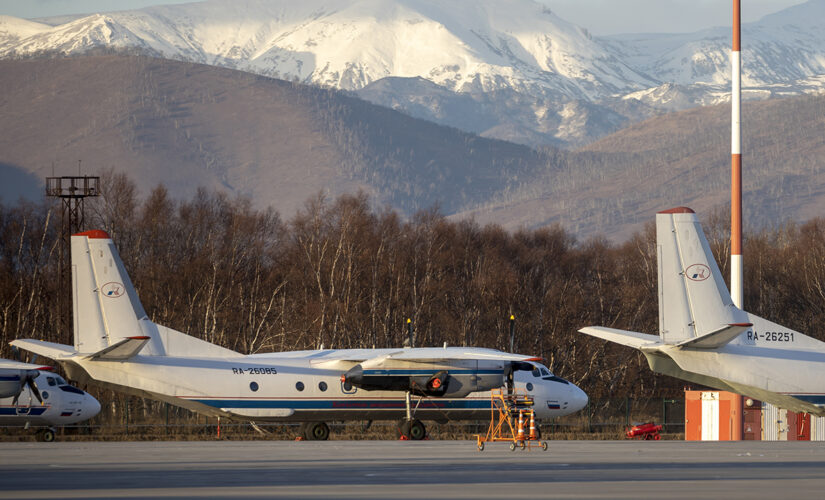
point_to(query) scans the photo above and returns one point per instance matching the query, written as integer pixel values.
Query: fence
(142, 419)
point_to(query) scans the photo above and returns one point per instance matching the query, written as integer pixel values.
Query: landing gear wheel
(521, 445)
(316, 431)
(480, 446)
(417, 430)
(45, 435)
(544, 445)
(412, 429)
(512, 446)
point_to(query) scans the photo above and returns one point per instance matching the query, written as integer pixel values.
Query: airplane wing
(433, 355)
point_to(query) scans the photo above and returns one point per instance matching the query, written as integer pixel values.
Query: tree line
(344, 274)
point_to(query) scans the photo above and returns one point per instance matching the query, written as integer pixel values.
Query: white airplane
(54, 403)
(117, 346)
(704, 338)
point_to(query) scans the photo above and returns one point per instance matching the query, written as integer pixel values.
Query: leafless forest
(340, 274)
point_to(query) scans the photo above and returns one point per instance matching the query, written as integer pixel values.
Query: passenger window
(51, 381)
(536, 372)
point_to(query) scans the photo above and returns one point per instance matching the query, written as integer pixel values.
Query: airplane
(54, 403)
(705, 339)
(117, 346)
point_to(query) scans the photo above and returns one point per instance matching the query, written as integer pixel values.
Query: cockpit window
(536, 372)
(554, 378)
(60, 380)
(545, 372)
(51, 381)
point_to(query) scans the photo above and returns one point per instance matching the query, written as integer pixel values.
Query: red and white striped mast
(736, 165)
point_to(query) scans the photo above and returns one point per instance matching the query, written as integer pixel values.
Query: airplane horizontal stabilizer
(122, 350)
(49, 350)
(716, 339)
(631, 339)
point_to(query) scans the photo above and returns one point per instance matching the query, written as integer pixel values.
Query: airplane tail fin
(695, 307)
(106, 306)
(109, 320)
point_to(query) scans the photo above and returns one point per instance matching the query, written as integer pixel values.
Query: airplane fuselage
(294, 387)
(62, 404)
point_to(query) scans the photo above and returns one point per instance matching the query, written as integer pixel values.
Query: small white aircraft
(704, 338)
(119, 347)
(54, 403)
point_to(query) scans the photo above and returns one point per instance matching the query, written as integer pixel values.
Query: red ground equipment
(644, 431)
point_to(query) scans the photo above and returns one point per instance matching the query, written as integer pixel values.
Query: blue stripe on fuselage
(33, 411)
(342, 404)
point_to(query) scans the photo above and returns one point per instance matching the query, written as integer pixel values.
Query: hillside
(189, 125)
(619, 182)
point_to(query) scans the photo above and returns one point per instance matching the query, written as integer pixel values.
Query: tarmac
(406, 469)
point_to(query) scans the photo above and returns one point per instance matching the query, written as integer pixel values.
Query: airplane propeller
(28, 379)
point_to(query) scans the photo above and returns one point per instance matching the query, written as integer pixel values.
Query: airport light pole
(736, 280)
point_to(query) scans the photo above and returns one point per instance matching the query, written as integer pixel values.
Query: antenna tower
(72, 191)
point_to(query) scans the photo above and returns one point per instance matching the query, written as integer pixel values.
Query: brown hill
(620, 181)
(188, 125)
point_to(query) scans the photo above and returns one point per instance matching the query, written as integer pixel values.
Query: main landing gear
(315, 431)
(45, 435)
(411, 428)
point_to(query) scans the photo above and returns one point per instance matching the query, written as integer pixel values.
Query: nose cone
(91, 406)
(578, 399)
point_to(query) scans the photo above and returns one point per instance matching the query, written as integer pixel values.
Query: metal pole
(664, 414)
(627, 411)
(512, 333)
(410, 332)
(589, 418)
(736, 264)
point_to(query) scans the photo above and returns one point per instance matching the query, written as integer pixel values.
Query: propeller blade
(33, 387)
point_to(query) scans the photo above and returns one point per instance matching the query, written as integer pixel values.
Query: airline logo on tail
(698, 272)
(112, 289)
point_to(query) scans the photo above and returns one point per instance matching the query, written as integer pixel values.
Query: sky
(600, 17)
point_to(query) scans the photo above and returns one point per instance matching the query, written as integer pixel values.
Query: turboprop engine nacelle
(438, 384)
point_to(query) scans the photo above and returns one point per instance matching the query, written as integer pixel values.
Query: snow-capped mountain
(508, 69)
(463, 45)
(780, 48)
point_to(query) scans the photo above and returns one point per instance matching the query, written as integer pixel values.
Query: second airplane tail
(695, 307)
